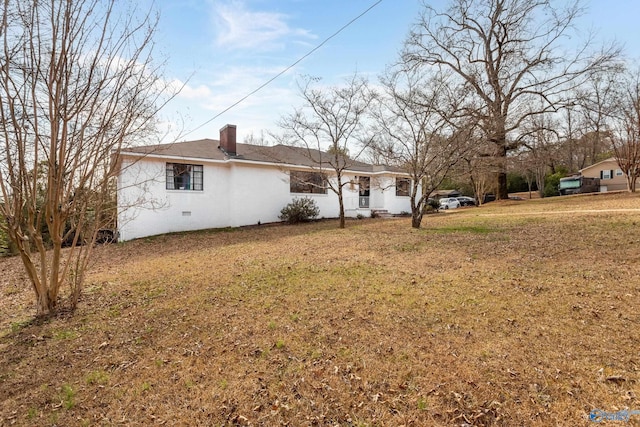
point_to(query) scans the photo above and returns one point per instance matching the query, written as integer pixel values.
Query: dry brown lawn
(515, 313)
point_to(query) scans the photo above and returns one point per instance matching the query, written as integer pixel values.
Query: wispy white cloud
(190, 92)
(236, 82)
(209, 94)
(238, 27)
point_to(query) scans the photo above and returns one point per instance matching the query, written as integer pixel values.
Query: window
(569, 183)
(364, 182)
(403, 187)
(619, 172)
(606, 174)
(307, 182)
(184, 177)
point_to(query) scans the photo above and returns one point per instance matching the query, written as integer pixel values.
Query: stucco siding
(256, 194)
(147, 208)
(394, 204)
(233, 194)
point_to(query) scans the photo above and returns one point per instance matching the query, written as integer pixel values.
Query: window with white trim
(619, 172)
(403, 187)
(606, 174)
(182, 176)
(307, 182)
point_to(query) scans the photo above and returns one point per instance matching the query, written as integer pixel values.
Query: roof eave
(231, 160)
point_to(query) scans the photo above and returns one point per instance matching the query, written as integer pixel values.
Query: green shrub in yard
(551, 184)
(432, 205)
(300, 210)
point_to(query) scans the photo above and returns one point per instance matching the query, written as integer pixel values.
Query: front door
(364, 183)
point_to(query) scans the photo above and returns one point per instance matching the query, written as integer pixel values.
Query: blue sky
(224, 49)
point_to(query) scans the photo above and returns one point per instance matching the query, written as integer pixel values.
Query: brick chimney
(228, 139)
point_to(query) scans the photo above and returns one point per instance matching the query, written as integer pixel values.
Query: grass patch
(18, 326)
(32, 413)
(474, 229)
(97, 378)
(64, 334)
(508, 314)
(67, 396)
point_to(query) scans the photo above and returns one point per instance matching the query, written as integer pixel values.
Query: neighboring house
(612, 178)
(441, 194)
(207, 183)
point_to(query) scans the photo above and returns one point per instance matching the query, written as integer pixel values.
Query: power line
(262, 86)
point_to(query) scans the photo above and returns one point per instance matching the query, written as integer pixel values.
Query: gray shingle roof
(208, 149)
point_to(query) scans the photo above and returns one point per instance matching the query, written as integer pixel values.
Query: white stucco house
(210, 183)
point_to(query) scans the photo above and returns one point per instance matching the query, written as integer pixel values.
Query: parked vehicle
(466, 201)
(449, 203)
(488, 197)
(577, 184)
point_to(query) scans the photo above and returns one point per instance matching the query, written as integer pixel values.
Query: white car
(449, 203)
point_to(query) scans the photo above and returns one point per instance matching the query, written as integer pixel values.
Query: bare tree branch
(510, 55)
(419, 131)
(626, 129)
(78, 83)
(329, 125)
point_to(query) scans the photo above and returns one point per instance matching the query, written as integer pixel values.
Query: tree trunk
(416, 218)
(341, 202)
(501, 156)
(540, 183)
(478, 189)
(631, 182)
(503, 192)
(416, 208)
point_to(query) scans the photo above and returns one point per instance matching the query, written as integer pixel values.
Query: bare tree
(588, 138)
(77, 83)
(416, 134)
(542, 141)
(478, 167)
(539, 156)
(581, 146)
(330, 125)
(509, 54)
(523, 165)
(569, 144)
(626, 131)
(259, 140)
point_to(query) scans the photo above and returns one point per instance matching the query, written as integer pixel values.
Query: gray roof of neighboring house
(208, 149)
(446, 193)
